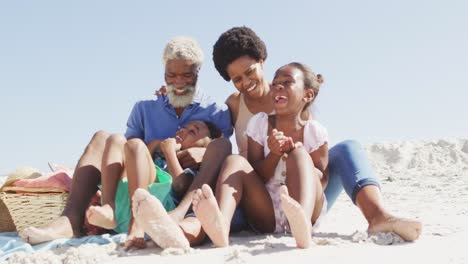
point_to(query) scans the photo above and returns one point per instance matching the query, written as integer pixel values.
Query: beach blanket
(58, 180)
(10, 243)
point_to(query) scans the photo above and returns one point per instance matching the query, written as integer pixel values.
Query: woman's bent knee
(234, 164)
(220, 145)
(237, 161)
(346, 147)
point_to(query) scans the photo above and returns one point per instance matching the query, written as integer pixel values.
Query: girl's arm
(320, 159)
(264, 166)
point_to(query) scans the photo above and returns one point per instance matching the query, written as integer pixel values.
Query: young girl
(115, 210)
(289, 153)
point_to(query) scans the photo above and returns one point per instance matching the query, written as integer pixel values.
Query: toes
(195, 201)
(198, 195)
(207, 192)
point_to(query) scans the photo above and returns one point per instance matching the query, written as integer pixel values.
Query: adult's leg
(86, 178)
(237, 184)
(112, 170)
(301, 199)
(215, 154)
(349, 161)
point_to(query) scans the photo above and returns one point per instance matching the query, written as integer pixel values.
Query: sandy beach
(423, 179)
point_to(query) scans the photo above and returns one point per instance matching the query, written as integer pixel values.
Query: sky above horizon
(394, 70)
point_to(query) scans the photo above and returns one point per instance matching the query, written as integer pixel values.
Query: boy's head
(197, 134)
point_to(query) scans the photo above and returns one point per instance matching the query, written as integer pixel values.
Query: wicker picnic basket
(31, 206)
(6, 223)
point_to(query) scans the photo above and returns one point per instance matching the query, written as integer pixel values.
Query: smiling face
(195, 134)
(181, 79)
(247, 76)
(289, 93)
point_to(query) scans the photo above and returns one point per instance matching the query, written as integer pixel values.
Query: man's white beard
(180, 101)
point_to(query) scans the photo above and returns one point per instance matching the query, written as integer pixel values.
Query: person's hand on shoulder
(161, 91)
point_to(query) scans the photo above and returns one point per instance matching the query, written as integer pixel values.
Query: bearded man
(149, 120)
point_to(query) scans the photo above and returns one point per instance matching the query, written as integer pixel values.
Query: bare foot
(136, 237)
(59, 228)
(151, 216)
(102, 216)
(207, 211)
(300, 225)
(407, 229)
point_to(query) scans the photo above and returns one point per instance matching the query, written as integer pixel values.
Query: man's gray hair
(184, 48)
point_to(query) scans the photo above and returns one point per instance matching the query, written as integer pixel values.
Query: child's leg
(302, 203)
(112, 169)
(237, 183)
(140, 174)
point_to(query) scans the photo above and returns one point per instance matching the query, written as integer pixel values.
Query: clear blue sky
(394, 70)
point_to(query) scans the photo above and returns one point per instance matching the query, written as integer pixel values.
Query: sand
(427, 180)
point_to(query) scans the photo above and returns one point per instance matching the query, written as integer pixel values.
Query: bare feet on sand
(207, 211)
(300, 225)
(136, 237)
(102, 216)
(59, 228)
(407, 229)
(151, 216)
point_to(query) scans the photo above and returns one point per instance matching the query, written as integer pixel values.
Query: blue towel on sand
(10, 243)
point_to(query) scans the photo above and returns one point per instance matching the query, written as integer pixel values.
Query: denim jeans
(349, 169)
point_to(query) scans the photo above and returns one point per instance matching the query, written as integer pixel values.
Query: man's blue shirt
(157, 119)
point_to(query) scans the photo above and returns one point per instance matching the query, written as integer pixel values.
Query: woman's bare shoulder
(233, 103)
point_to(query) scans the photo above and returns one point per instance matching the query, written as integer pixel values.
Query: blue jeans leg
(349, 168)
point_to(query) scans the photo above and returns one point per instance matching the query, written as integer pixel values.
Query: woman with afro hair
(239, 56)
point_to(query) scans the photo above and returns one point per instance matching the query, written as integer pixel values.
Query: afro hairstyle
(235, 43)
